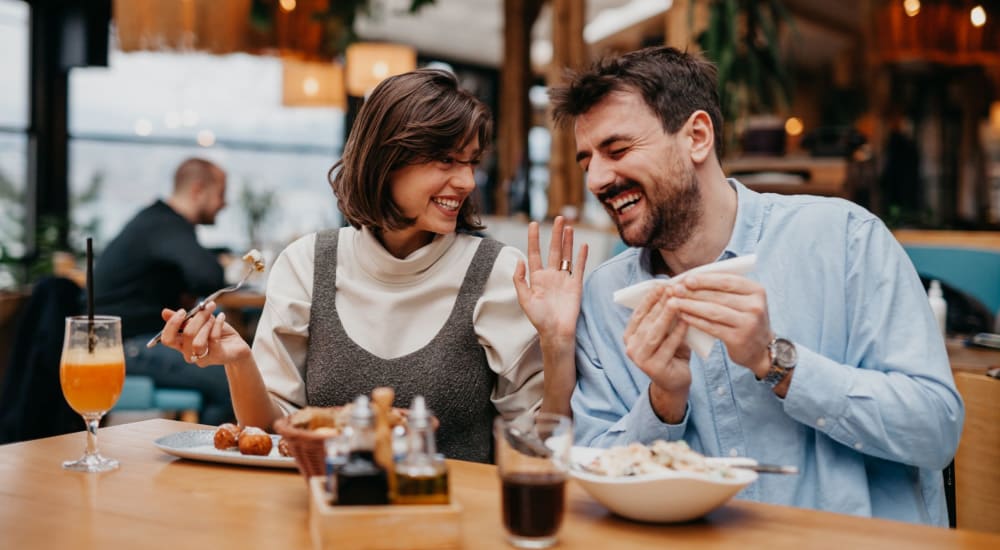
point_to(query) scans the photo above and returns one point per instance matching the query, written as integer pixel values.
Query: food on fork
(638, 459)
(227, 436)
(254, 258)
(255, 441)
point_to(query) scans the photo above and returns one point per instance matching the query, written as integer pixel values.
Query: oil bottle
(360, 480)
(421, 475)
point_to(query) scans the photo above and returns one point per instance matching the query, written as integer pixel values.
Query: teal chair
(139, 393)
(973, 271)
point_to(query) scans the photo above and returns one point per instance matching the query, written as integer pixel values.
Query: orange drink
(92, 382)
(92, 373)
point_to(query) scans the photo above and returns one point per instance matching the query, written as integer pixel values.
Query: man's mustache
(616, 189)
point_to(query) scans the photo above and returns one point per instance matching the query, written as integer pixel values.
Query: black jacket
(32, 404)
(155, 262)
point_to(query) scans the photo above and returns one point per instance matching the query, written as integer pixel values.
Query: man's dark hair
(411, 118)
(674, 84)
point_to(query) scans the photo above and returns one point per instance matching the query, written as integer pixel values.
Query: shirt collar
(749, 222)
(746, 229)
(382, 265)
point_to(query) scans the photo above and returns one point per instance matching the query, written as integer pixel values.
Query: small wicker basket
(307, 446)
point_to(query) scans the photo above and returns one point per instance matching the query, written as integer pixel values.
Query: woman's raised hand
(204, 339)
(551, 300)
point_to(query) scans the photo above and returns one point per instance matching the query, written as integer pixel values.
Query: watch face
(784, 353)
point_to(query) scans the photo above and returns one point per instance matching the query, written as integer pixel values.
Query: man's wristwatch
(783, 360)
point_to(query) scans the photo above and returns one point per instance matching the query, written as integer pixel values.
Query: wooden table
(157, 501)
(970, 358)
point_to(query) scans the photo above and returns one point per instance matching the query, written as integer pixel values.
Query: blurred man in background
(156, 262)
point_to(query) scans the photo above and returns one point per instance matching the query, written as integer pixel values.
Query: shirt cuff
(642, 425)
(816, 395)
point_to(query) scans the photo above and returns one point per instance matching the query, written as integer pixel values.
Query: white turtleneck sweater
(392, 307)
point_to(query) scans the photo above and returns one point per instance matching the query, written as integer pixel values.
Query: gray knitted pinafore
(451, 371)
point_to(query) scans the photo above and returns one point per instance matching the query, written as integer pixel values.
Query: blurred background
(894, 104)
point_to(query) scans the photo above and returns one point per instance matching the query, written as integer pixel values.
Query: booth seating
(140, 393)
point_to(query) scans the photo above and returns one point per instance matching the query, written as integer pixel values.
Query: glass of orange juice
(92, 371)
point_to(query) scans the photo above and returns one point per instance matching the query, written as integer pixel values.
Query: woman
(405, 297)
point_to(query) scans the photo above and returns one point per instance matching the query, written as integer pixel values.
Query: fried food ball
(255, 441)
(283, 449)
(226, 436)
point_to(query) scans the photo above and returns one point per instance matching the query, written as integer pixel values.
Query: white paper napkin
(698, 341)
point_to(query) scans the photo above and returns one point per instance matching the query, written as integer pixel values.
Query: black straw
(91, 337)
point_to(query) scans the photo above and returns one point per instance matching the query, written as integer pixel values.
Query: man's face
(642, 175)
(213, 198)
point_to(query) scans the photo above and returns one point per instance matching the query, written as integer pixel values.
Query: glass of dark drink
(532, 455)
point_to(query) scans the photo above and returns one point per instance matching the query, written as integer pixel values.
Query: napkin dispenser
(698, 341)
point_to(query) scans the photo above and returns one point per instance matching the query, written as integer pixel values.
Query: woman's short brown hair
(411, 118)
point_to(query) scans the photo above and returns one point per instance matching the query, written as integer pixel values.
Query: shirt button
(721, 390)
(734, 452)
(858, 446)
(821, 422)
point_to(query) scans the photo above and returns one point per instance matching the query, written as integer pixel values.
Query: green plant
(18, 267)
(257, 207)
(743, 40)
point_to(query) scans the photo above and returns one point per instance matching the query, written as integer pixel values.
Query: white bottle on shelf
(940, 307)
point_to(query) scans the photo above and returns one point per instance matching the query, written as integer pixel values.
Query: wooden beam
(684, 21)
(514, 119)
(566, 184)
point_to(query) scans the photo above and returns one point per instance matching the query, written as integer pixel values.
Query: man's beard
(671, 217)
(206, 217)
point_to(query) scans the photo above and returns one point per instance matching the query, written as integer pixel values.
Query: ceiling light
(794, 126)
(911, 7)
(206, 138)
(977, 16)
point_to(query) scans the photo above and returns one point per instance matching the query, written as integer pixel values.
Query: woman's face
(432, 193)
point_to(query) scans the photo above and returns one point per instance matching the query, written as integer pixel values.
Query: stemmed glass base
(91, 461)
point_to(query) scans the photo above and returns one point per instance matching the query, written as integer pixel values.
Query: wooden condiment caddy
(392, 527)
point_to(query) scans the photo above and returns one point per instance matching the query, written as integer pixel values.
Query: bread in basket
(306, 431)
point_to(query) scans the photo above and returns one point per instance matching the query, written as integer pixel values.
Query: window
(13, 137)
(132, 123)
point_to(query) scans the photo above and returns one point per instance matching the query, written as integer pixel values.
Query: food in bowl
(638, 459)
(651, 491)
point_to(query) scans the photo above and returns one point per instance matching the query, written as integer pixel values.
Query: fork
(201, 305)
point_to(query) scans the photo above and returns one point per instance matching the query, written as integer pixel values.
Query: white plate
(662, 497)
(199, 445)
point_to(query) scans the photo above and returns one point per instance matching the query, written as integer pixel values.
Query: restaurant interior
(891, 104)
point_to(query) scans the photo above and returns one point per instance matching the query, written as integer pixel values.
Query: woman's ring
(566, 266)
(195, 358)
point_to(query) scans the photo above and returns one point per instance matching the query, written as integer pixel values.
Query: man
(827, 355)
(156, 262)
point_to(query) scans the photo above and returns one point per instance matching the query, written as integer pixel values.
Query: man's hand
(733, 309)
(654, 341)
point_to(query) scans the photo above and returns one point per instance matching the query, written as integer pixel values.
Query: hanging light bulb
(977, 16)
(794, 126)
(911, 7)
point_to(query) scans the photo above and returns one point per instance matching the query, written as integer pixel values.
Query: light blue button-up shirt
(871, 415)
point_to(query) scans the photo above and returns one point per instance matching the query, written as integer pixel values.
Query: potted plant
(743, 40)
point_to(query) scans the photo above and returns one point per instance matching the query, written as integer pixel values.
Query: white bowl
(667, 497)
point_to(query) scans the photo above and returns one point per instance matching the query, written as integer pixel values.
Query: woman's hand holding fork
(205, 339)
